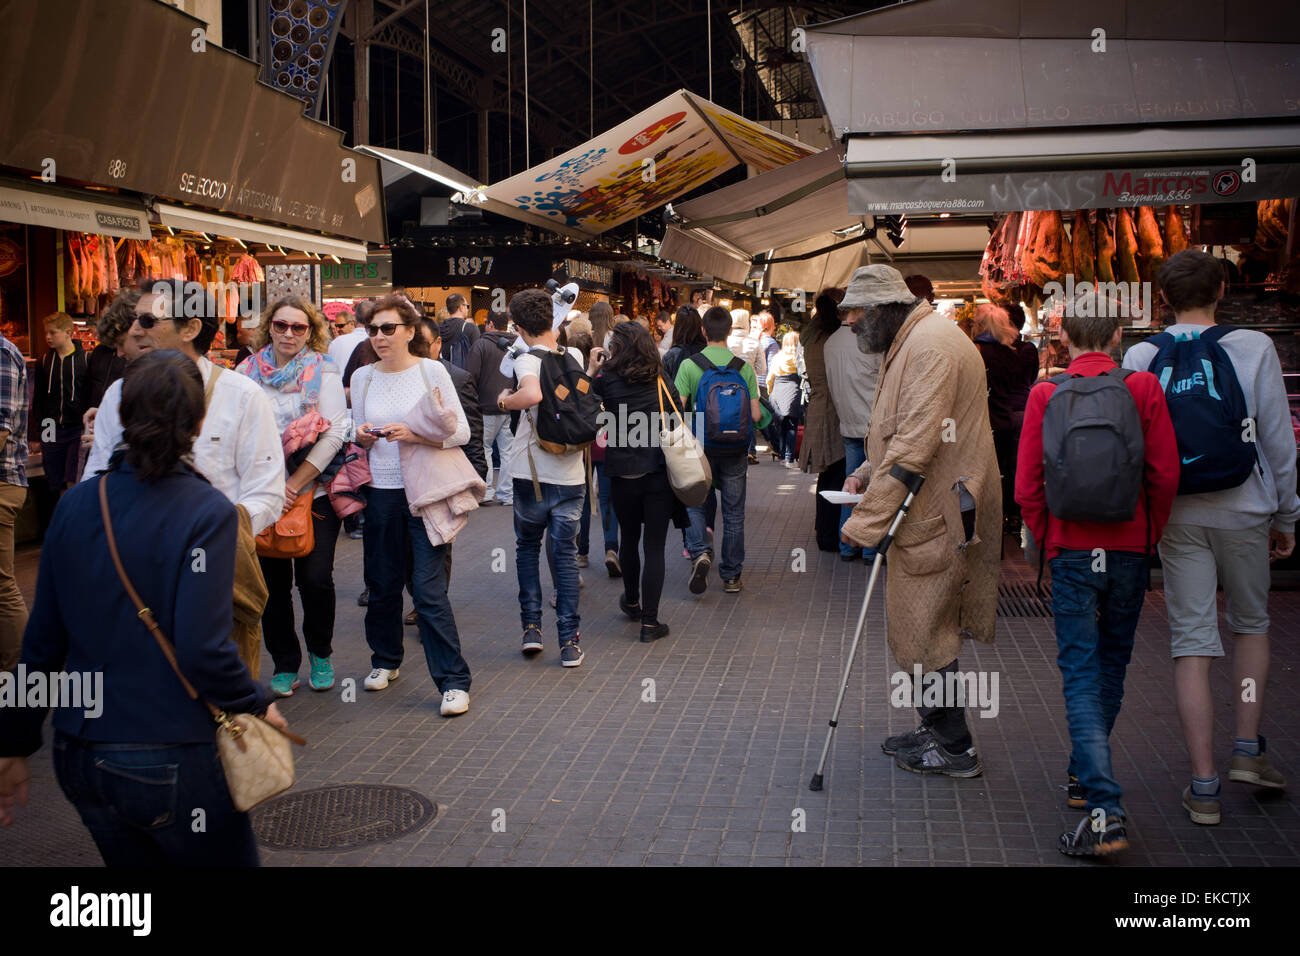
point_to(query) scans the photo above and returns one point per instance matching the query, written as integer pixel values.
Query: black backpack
(1093, 448)
(566, 419)
(457, 351)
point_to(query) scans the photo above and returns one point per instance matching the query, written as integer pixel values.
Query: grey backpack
(1093, 449)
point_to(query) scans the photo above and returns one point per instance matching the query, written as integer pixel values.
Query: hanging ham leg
(1126, 248)
(1085, 258)
(1151, 247)
(1105, 249)
(1175, 231)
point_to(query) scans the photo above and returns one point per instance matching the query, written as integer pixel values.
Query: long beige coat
(931, 416)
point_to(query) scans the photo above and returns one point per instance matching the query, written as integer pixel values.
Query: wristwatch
(501, 405)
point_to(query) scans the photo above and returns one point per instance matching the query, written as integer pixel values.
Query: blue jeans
(391, 529)
(559, 513)
(855, 453)
(1096, 616)
(138, 802)
(729, 474)
(608, 522)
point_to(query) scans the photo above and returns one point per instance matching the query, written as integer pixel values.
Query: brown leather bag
(292, 536)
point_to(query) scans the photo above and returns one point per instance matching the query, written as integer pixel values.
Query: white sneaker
(380, 678)
(454, 702)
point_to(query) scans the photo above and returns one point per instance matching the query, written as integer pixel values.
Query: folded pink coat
(442, 487)
(302, 432)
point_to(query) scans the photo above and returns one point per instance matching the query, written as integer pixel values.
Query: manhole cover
(334, 818)
(1022, 600)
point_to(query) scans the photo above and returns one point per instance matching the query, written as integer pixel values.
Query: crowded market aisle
(588, 771)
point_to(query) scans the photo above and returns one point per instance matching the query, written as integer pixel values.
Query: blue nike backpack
(1207, 408)
(723, 397)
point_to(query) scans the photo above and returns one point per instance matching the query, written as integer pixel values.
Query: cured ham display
(1126, 248)
(998, 267)
(1105, 248)
(1046, 256)
(1085, 255)
(1175, 231)
(1151, 247)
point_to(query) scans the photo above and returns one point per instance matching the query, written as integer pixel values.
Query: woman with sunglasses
(306, 392)
(384, 396)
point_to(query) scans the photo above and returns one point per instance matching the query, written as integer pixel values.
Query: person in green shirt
(729, 468)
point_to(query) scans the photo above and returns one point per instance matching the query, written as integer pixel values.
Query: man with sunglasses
(238, 449)
(347, 336)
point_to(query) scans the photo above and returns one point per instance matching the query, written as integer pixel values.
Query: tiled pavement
(714, 769)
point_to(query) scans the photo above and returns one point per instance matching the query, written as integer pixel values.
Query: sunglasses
(284, 328)
(388, 328)
(341, 325)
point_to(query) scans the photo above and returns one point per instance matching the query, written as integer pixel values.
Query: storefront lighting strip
(199, 221)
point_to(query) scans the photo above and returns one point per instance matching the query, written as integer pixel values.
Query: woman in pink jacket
(405, 386)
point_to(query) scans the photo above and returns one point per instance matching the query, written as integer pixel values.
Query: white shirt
(382, 398)
(341, 348)
(551, 469)
(238, 449)
(750, 349)
(667, 341)
(288, 406)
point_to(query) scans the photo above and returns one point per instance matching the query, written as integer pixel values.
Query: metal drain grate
(1022, 600)
(333, 818)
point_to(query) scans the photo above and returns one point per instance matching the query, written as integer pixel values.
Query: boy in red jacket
(1099, 575)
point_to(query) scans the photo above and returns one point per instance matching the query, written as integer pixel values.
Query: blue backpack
(1207, 408)
(723, 397)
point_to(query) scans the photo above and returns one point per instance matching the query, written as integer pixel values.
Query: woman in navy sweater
(133, 753)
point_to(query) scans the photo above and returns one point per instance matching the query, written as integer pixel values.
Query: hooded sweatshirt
(484, 363)
(62, 389)
(458, 337)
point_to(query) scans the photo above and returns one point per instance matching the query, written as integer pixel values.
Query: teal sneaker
(322, 673)
(284, 684)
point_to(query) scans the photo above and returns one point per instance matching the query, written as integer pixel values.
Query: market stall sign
(57, 211)
(587, 274)
(372, 272)
(471, 265)
(1069, 189)
(11, 257)
(115, 94)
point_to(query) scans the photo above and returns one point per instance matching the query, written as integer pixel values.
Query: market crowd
(394, 427)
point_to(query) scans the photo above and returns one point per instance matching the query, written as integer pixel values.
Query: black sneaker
(1075, 795)
(732, 585)
(631, 610)
(652, 632)
(700, 572)
(571, 654)
(363, 598)
(1087, 840)
(908, 741)
(934, 757)
(532, 643)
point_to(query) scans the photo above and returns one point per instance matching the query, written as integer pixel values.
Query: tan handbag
(292, 536)
(254, 755)
(688, 467)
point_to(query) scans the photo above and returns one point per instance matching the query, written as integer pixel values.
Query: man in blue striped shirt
(13, 492)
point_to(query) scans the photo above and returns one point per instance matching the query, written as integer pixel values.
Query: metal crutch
(912, 482)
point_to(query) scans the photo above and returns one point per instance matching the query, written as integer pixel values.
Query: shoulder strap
(1216, 332)
(365, 387)
(1060, 379)
(703, 361)
(212, 384)
(1161, 340)
(1118, 372)
(736, 364)
(147, 617)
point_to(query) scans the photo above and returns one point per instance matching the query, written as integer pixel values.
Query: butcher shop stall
(1091, 141)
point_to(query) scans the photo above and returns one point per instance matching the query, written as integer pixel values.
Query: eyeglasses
(285, 328)
(388, 328)
(341, 325)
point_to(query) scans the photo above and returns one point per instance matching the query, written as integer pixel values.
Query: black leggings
(315, 579)
(643, 504)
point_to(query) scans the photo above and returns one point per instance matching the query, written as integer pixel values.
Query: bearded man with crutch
(930, 418)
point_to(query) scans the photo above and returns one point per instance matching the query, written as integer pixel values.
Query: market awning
(397, 164)
(80, 211)
(654, 157)
(124, 95)
(791, 212)
(1009, 105)
(186, 217)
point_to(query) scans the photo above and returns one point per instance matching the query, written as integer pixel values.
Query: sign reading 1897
(469, 265)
